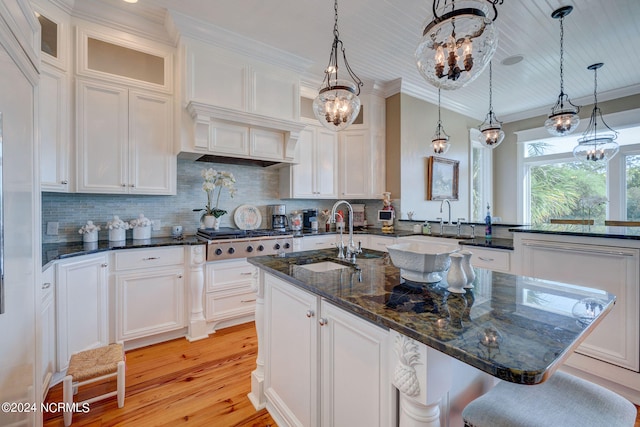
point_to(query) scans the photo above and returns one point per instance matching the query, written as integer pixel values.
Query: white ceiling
(380, 37)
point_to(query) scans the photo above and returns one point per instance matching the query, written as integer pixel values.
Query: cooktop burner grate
(225, 233)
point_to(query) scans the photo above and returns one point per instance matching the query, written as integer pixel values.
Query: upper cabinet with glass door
(119, 60)
(54, 37)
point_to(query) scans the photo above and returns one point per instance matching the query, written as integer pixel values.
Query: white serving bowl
(421, 262)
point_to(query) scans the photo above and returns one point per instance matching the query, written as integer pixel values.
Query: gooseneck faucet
(352, 249)
(449, 205)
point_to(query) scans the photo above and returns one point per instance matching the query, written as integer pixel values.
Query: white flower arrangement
(141, 221)
(89, 227)
(216, 179)
(116, 223)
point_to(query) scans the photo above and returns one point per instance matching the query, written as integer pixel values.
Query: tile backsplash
(256, 186)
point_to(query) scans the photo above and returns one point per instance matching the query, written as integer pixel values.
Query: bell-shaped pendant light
(596, 144)
(337, 104)
(491, 133)
(563, 118)
(458, 42)
(440, 140)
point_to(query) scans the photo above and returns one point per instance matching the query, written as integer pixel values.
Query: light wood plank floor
(201, 383)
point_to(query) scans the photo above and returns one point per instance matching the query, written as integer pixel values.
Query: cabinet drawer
(379, 243)
(228, 274)
(228, 305)
(147, 258)
(491, 259)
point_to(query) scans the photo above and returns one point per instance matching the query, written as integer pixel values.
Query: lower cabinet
(150, 292)
(323, 241)
(47, 329)
(490, 259)
(230, 298)
(378, 243)
(324, 366)
(81, 305)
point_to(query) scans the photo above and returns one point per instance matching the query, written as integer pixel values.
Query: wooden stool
(90, 366)
(563, 400)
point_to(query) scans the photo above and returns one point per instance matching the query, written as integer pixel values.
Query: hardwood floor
(201, 383)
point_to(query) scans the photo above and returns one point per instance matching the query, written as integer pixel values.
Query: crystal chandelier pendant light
(596, 144)
(457, 43)
(440, 140)
(491, 133)
(563, 118)
(337, 104)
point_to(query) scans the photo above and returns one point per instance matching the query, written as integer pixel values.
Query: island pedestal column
(256, 396)
(423, 377)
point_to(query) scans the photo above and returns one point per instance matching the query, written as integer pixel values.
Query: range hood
(224, 135)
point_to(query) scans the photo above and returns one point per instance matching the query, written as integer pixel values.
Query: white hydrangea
(88, 228)
(116, 223)
(141, 221)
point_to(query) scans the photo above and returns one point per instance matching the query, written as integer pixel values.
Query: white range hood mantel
(205, 115)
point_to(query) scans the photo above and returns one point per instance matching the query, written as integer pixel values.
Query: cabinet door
(149, 302)
(54, 130)
(82, 308)
(302, 174)
(151, 163)
(615, 270)
(354, 165)
(291, 373)
(354, 380)
(102, 133)
(326, 154)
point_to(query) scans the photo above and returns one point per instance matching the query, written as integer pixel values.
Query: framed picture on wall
(442, 178)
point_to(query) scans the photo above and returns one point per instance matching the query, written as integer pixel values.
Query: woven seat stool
(562, 401)
(90, 366)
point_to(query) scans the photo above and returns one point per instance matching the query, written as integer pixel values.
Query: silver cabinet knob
(105, 265)
(64, 182)
(46, 285)
(310, 313)
(322, 321)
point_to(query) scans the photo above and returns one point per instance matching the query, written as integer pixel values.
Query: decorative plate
(247, 217)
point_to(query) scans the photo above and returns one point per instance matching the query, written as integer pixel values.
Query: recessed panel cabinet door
(151, 163)
(102, 133)
(302, 175)
(326, 163)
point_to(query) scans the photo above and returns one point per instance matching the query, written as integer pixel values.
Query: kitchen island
(515, 328)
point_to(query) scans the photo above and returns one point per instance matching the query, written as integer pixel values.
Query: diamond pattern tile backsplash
(256, 186)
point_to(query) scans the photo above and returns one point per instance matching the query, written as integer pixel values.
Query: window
(556, 185)
(481, 177)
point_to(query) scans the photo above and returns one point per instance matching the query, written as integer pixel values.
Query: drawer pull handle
(310, 313)
(248, 300)
(486, 259)
(46, 285)
(151, 258)
(322, 321)
(246, 274)
(179, 276)
(104, 265)
(585, 250)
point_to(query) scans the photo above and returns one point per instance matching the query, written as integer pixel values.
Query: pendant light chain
(439, 121)
(561, 58)
(490, 88)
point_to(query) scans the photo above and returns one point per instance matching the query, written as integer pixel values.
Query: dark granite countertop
(632, 233)
(532, 317)
(56, 251)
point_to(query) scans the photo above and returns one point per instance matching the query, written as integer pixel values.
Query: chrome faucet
(449, 205)
(352, 249)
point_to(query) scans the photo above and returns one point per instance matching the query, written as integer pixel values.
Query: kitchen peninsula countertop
(55, 251)
(530, 319)
(631, 233)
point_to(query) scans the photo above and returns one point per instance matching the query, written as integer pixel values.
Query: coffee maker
(307, 214)
(276, 215)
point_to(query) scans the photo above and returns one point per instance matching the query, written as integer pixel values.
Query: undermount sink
(323, 266)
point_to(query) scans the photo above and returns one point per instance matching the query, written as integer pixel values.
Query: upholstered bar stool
(90, 366)
(562, 401)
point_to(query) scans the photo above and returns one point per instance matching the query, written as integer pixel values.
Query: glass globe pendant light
(440, 140)
(563, 118)
(337, 104)
(596, 145)
(457, 43)
(491, 133)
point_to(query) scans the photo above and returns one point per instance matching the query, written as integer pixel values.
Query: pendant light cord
(439, 121)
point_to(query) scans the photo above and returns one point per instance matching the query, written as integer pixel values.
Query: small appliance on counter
(277, 217)
(295, 222)
(307, 215)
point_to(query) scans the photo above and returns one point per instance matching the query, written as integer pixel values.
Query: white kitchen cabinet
(124, 140)
(150, 291)
(230, 297)
(324, 241)
(379, 243)
(490, 259)
(316, 174)
(47, 329)
(53, 127)
(613, 269)
(81, 305)
(227, 138)
(324, 367)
